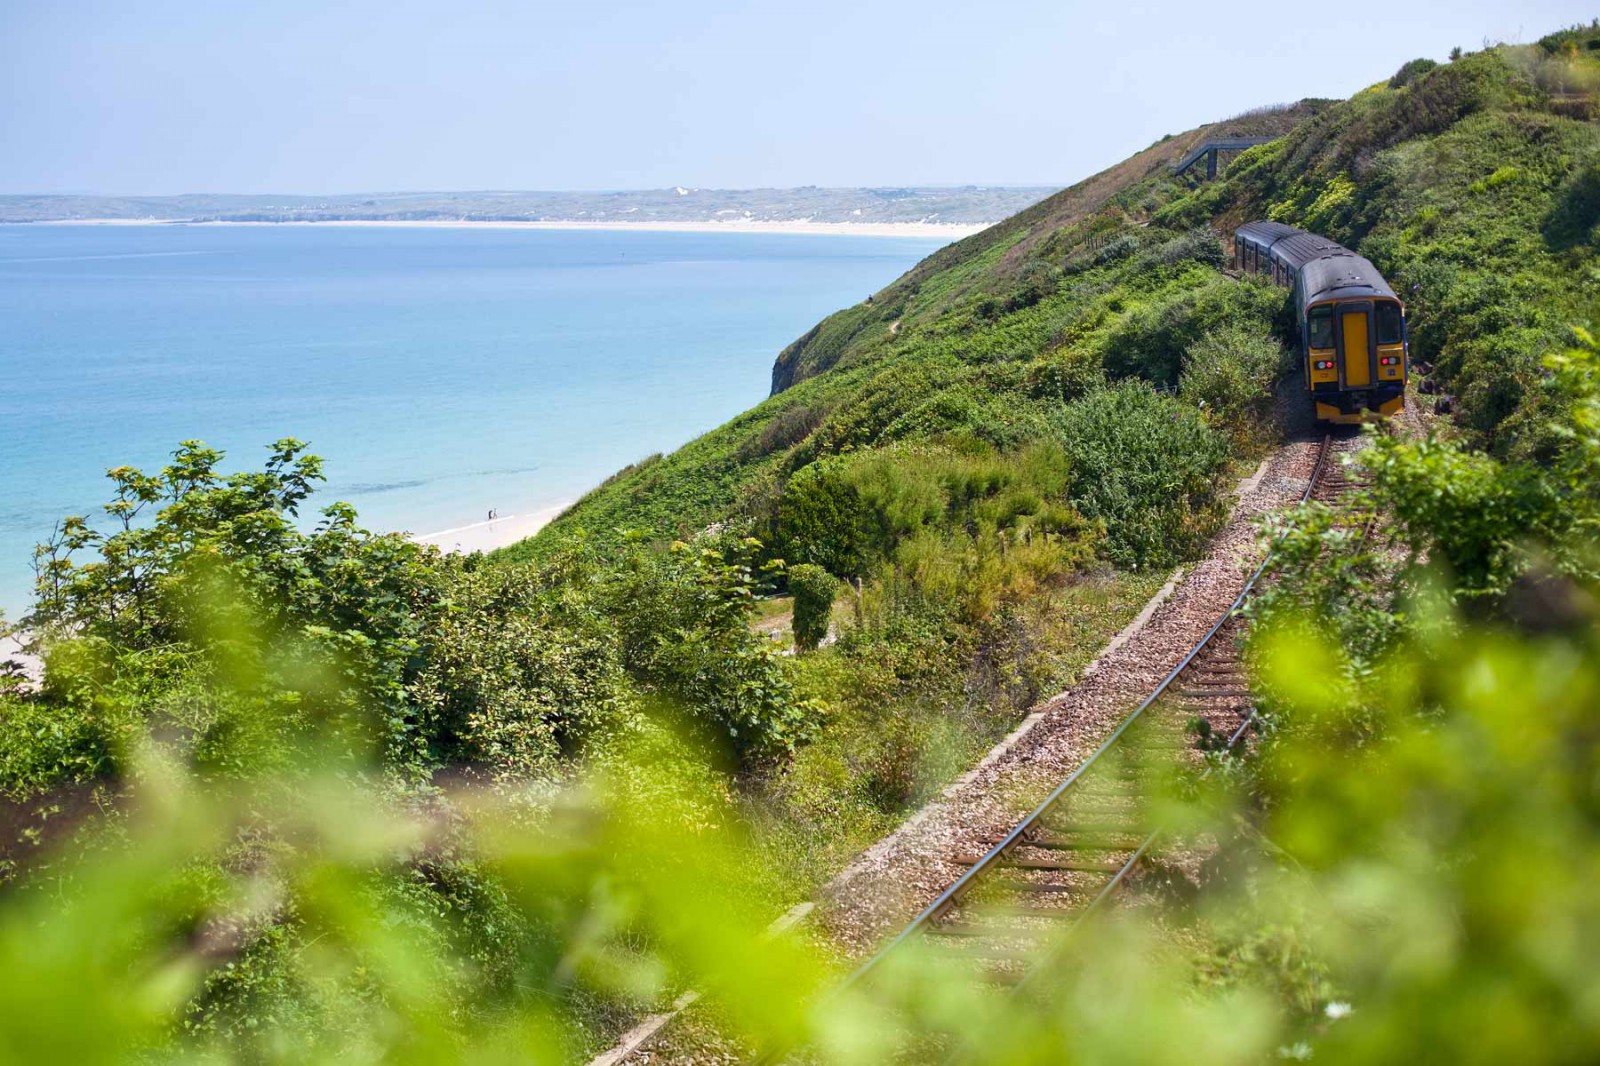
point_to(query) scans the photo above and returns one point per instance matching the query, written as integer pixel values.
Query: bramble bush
(683, 618)
(1147, 466)
(1231, 374)
(1154, 338)
(813, 589)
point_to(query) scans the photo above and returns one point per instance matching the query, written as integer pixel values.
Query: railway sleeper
(1015, 862)
(999, 931)
(1060, 842)
(1077, 828)
(981, 949)
(1215, 679)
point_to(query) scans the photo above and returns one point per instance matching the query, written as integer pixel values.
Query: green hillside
(1472, 185)
(984, 337)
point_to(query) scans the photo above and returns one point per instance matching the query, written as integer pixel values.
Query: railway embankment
(895, 878)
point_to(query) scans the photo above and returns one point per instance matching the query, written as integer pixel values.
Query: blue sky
(164, 97)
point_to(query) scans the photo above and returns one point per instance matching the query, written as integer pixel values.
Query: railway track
(1008, 911)
(1022, 890)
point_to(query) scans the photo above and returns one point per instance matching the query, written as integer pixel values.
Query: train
(1351, 325)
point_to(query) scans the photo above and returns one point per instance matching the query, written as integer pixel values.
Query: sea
(440, 372)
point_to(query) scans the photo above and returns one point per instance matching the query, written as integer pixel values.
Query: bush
(850, 513)
(1199, 245)
(1064, 375)
(822, 521)
(784, 430)
(1037, 281)
(1152, 341)
(1147, 465)
(684, 622)
(1572, 219)
(1230, 373)
(1410, 72)
(814, 589)
(518, 674)
(1117, 249)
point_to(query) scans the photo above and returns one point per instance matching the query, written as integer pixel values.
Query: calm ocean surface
(440, 372)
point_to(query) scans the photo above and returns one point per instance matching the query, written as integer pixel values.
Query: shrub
(1576, 212)
(1230, 373)
(1152, 341)
(1471, 513)
(1410, 72)
(1147, 465)
(683, 617)
(1065, 374)
(784, 430)
(814, 589)
(821, 520)
(1199, 245)
(1036, 281)
(518, 674)
(1117, 249)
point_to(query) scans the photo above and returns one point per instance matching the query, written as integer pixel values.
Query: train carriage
(1352, 327)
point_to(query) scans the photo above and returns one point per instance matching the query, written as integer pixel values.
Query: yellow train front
(1352, 327)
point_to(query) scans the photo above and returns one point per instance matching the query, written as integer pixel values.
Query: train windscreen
(1388, 324)
(1319, 327)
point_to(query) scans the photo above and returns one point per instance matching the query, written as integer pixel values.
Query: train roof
(1342, 276)
(1265, 233)
(1328, 270)
(1300, 248)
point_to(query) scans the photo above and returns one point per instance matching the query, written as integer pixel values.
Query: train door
(1355, 345)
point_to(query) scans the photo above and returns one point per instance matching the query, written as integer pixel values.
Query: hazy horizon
(501, 190)
(105, 99)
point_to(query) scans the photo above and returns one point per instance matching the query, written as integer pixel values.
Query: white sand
(478, 537)
(948, 230)
(11, 648)
(486, 536)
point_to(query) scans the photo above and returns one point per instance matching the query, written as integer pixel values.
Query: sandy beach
(948, 231)
(477, 537)
(496, 533)
(11, 650)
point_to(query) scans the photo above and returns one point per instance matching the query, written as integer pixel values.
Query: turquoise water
(440, 372)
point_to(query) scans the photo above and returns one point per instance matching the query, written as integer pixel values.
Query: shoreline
(951, 230)
(482, 536)
(493, 533)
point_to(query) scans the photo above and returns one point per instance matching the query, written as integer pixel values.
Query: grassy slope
(850, 372)
(1475, 186)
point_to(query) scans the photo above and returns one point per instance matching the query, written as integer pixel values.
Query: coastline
(478, 536)
(950, 230)
(11, 651)
(493, 533)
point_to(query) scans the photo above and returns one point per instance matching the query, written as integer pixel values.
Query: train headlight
(1390, 360)
(1322, 364)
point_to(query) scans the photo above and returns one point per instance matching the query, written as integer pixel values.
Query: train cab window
(1319, 327)
(1388, 323)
